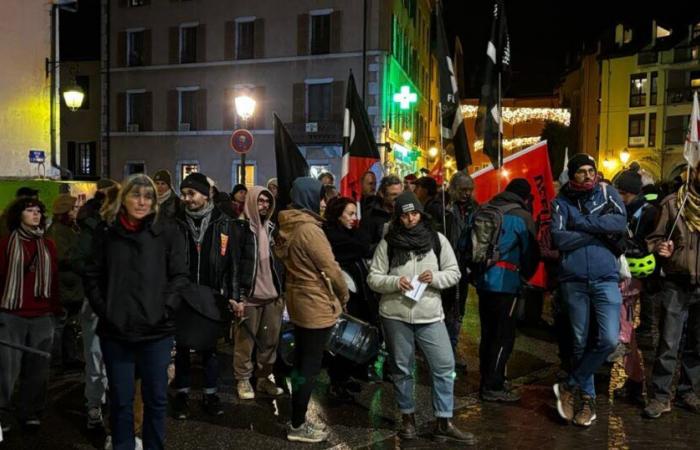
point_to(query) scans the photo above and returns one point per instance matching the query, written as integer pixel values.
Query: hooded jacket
(517, 248)
(249, 249)
(578, 226)
(312, 301)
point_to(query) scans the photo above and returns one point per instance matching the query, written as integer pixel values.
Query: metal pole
(242, 180)
(442, 156)
(364, 49)
(500, 137)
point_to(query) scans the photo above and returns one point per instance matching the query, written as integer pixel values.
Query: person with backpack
(504, 256)
(410, 258)
(588, 217)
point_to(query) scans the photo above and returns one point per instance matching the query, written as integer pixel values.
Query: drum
(354, 339)
(285, 348)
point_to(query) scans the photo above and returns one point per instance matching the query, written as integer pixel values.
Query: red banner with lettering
(532, 164)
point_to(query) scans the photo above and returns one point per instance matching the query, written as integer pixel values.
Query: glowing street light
(624, 156)
(432, 152)
(245, 106)
(407, 135)
(73, 96)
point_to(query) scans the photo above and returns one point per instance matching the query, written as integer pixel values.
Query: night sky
(541, 33)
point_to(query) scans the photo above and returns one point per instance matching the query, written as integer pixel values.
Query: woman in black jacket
(350, 247)
(139, 268)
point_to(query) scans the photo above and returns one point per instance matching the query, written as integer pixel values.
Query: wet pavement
(369, 421)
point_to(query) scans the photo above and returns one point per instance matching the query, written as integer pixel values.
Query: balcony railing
(322, 132)
(679, 95)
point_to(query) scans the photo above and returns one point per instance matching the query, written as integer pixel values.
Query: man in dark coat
(168, 202)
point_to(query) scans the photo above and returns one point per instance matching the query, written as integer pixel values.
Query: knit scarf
(41, 264)
(204, 214)
(691, 210)
(164, 198)
(403, 241)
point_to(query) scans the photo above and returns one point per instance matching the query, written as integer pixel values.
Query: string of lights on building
(518, 115)
(510, 144)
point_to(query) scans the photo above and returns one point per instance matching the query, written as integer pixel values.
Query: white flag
(564, 176)
(691, 152)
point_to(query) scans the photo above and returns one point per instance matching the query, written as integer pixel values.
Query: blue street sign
(37, 156)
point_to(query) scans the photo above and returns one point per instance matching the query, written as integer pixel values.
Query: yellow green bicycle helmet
(642, 267)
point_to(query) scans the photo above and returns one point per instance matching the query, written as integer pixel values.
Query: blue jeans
(95, 373)
(183, 374)
(123, 360)
(435, 343)
(605, 300)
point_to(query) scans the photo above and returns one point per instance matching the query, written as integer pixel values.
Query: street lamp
(245, 106)
(73, 96)
(432, 152)
(407, 135)
(624, 156)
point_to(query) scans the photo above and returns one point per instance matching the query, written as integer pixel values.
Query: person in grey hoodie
(412, 253)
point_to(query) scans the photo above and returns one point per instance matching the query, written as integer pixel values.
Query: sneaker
(565, 401)
(108, 442)
(245, 390)
(268, 387)
(306, 433)
(655, 408)
(94, 418)
(503, 396)
(138, 443)
(181, 410)
(212, 405)
(586, 413)
(690, 401)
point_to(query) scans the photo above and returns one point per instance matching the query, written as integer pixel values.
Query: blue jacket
(578, 229)
(518, 249)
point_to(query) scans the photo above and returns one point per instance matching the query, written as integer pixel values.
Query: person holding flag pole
(675, 242)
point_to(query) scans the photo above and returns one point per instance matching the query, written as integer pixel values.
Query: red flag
(436, 172)
(533, 165)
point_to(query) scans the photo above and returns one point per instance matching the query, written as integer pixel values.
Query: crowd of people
(155, 278)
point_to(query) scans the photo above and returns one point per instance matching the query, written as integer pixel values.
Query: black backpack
(485, 234)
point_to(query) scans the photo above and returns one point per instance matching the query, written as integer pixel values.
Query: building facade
(176, 67)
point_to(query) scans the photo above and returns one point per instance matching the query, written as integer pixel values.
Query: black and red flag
(291, 164)
(360, 150)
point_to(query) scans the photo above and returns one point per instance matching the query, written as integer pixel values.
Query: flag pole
(442, 169)
(499, 172)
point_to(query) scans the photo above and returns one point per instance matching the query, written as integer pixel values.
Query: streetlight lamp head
(624, 156)
(73, 96)
(245, 106)
(407, 135)
(432, 152)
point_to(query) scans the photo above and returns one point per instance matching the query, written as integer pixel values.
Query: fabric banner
(532, 164)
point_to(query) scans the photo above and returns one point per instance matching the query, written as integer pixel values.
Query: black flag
(360, 150)
(489, 121)
(290, 163)
(454, 134)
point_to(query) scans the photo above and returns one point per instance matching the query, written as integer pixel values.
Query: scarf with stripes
(14, 280)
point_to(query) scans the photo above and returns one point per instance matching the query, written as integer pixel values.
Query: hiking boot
(566, 397)
(655, 408)
(306, 433)
(503, 396)
(181, 410)
(245, 390)
(586, 413)
(268, 387)
(408, 426)
(94, 418)
(689, 401)
(212, 405)
(445, 430)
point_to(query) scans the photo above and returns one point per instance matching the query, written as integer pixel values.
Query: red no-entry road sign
(241, 141)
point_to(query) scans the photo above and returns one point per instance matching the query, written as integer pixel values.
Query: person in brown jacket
(679, 306)
(315, 292)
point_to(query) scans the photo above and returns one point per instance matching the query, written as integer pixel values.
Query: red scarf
(584, 187)
(128, 225)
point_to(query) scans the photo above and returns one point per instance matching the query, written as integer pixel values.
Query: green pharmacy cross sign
(405, 97)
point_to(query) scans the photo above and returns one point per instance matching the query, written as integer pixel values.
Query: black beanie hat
(237, 188)
(407, 202)
(578, 160)
(629, 181)
(520, 187)
(164, 176)
(198, 182)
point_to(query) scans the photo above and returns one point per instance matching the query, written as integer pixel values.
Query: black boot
(408, 426)
(445, 430)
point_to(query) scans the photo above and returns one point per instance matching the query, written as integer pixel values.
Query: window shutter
(174, 54)
(299, 102)
(338, 105)
(201, 43)
(303, 34)
(260, 110)
(70, 150)
(230, 40)
(229, 113)
(173, 108)
(148, 111)
(259, 38)
(121, 111)
(121, 49)
(147, 48)
(201, 108)
(336, 21)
